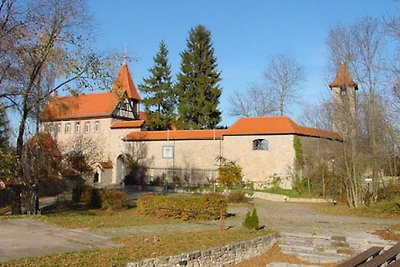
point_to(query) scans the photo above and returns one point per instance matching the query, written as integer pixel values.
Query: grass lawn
(134, 248)
(292, 193)
(94, 218)
(137, 248)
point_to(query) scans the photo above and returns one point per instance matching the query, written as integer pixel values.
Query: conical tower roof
(124, 82)
(343, 78)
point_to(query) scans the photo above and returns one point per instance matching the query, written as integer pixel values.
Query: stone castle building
(112, 122)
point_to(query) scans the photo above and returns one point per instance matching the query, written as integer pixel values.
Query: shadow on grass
(66, 206)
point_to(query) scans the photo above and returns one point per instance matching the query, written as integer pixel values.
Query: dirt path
(21, 238)
(299, 217)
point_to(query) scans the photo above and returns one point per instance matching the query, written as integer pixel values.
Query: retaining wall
(229, 254)
(282, 198)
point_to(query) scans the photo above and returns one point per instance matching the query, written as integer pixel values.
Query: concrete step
(325, 248)
(318, 258)
(316, 250)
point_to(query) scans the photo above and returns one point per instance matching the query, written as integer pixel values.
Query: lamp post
(333, 180)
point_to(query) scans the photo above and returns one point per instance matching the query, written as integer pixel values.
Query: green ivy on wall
(298, 152)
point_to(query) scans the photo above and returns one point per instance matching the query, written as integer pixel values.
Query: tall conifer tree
(159, 100)
(197, 87)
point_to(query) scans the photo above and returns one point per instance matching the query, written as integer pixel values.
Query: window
(87, 127)
(59, 127)
(260, 144)
(97, 126)
(68, 128)
(78, 127)
(343, 91)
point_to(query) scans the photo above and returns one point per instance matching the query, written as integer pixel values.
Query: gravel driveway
(302, 217)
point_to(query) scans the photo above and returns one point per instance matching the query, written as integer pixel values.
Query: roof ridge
(343, 77)
(124, 82)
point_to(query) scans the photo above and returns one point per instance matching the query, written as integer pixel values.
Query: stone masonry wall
(229, 254)
(263, 166)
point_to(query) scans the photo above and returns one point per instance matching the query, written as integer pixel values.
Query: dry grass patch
(391, 233)
(137, 248)
(275, 254)
(383, 209)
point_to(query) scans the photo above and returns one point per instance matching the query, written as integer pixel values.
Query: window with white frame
(78, 127)
(68, 128)
(97, 126)
(59, 127)
(260, 144)
(87, 127)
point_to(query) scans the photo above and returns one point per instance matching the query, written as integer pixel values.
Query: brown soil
(388, 235)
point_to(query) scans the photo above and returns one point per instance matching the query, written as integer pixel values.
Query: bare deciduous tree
(89, 148)
(366, 149)
(255, 101)
(318, 115)
(48, 43)
(281, 79)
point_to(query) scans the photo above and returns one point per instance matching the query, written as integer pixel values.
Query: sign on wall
(168, 152)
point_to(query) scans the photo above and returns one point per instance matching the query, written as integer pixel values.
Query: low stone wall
(229, 254)
(282, 198)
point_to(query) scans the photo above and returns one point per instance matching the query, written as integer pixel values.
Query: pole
(221, 221)
(333, 181)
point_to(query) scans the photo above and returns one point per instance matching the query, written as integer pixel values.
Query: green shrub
(183, 207)
(229, 173)
(113, 199)
(251, 220)
(101, 198)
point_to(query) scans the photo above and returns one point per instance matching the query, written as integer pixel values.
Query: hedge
(102, 198)
(183, 207)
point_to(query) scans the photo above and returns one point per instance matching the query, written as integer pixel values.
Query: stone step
(318, 258)
(317, 250)
(336, 241)
(321, 249)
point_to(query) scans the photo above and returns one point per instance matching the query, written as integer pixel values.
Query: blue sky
(244, 34)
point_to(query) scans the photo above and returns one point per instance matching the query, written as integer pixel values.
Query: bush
(236, 197)
(101, 198)
(229, 173)
(183, 207)
(251, 220)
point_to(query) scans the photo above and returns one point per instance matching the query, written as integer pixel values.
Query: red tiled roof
(124, 82)
(92, 105)
(45, 142)
(276, 125)
(175, 135)
(142, 116)
(80, 106)
(244, 126)
(127, 124)
(106, 164)
(343, 77)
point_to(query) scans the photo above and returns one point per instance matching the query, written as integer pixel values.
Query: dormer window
(260, 144)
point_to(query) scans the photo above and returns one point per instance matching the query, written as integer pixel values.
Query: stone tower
(343, 101)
